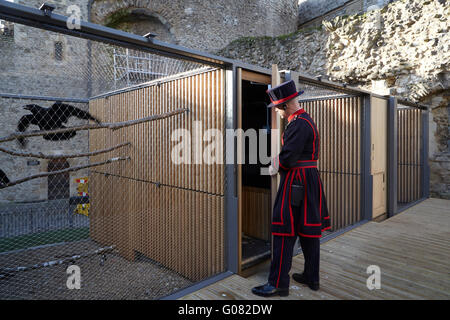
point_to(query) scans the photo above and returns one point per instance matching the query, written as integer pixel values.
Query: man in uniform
(300, 207)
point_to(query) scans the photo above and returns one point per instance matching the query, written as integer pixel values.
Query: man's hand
(273, 169)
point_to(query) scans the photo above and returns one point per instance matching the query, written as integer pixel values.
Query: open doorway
(256, 188)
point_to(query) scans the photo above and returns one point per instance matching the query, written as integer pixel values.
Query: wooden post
(275, 143)
(239, 154)
(275, 139)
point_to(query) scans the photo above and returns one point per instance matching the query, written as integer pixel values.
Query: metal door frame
(393, 156)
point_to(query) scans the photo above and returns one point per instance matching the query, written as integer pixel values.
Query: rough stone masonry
(404, 47)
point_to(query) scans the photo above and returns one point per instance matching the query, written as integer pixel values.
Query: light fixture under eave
(149, 36)
(47, 8)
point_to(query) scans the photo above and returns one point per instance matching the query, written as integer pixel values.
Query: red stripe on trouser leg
(320, 197)
(283, 248)
(281, 262)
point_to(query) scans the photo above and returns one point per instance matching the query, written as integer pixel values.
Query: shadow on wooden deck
(412, 250)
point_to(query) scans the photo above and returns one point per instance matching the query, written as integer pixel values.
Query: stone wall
(29, 62)
(304, 50)
(406, 46)
(313, 12)
(29, 67)
(20, 167)
(198, 24)
(60, 6)
(440, 150)
(402, 48)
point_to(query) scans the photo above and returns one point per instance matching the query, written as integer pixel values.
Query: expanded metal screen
(338, 117)
(108, 201)
(180, 220)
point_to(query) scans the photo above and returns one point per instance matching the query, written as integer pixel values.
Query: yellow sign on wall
(82, 189)
(83, 209)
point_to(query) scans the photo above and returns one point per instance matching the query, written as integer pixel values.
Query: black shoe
(300, 278)
(268, 290)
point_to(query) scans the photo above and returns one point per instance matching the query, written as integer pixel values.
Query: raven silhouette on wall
(50, 119)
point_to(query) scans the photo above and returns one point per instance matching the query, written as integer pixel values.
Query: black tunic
(297, 165)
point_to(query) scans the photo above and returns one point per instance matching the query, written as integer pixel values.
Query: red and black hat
(283, 93)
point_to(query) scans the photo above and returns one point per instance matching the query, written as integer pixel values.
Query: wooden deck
(412, 250)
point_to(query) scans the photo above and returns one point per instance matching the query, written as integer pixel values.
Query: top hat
(283, 93)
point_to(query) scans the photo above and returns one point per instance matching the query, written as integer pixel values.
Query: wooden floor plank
(411, 256)
(412, 250)
(359, 277)
(421, 274)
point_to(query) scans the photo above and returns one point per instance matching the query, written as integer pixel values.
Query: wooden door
(379, 154)
(58, 184)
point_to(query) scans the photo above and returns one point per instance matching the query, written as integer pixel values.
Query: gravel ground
(115, 278)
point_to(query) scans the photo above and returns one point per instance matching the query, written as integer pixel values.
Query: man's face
(281, 112)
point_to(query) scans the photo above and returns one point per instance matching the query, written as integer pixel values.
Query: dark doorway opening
(256, 193)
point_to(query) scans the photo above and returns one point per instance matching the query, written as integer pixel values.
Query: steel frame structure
(54, 22)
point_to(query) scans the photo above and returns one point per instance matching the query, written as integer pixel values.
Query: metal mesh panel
(409, 150)
(136, 227)
(313, 91)
(338, 119)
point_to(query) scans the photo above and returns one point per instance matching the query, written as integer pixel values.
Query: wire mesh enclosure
(176, 196)
(94, 202)
(109, 201)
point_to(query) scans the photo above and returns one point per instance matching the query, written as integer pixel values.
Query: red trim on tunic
(290, 208)
(283, 234)
(296, 113)
(281, 262)
(282, 201)
(309, 236)
(314, 140)
(279, 163)
(305, 205)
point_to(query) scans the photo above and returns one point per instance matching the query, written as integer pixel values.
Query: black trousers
(283, 248)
